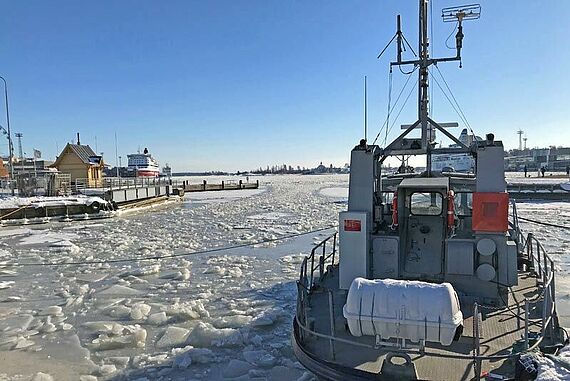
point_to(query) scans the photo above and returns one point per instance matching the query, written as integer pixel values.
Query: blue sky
(239, 84)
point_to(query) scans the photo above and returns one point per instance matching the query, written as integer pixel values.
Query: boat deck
(498, 332)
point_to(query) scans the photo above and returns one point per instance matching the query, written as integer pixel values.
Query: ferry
(453, 163)
(143, 164)
(461, 162)
(430, 276)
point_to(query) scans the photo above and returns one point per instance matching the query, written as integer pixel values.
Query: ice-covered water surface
(210, 316)
(213, 316)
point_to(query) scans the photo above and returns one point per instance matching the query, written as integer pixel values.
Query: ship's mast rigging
(422, 62)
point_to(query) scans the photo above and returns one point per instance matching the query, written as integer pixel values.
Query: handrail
(118, 183)
(423, 352)
(322, 261)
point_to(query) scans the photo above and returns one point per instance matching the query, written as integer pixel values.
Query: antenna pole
(365, 109)
(399, 36)
(423, 83)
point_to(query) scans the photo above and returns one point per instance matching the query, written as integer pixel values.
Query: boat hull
(324, 369)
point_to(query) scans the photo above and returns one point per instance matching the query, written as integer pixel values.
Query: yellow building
(81, 163)
(3, 169)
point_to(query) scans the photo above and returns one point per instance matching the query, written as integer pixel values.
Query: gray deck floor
(498, 333)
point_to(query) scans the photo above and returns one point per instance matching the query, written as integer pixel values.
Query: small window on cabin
(463, 204)
(426, 204)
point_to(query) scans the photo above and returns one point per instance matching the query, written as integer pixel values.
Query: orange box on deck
(490, 212)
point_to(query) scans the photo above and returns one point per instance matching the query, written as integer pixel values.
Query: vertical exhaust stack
(78, 142)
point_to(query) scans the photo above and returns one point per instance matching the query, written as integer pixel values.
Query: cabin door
(423, 233)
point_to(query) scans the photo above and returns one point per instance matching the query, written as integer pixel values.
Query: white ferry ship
(143, 164)
(458, 162)
(453, 163)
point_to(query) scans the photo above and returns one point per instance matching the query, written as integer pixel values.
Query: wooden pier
(120, 193)
(131, 193)
(224, 185)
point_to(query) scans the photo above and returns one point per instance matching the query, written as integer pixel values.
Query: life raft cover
(406, 309)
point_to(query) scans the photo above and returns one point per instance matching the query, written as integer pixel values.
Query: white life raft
(403, 309)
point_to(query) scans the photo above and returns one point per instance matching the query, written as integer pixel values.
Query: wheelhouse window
(426, 204)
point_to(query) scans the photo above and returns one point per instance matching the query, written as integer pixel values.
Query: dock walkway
(538, 191)
(118, 193)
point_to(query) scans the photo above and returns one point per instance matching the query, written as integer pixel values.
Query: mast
(423, 82)
(423, 62)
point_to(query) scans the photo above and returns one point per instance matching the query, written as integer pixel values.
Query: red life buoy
(450, 210)
(395, 211)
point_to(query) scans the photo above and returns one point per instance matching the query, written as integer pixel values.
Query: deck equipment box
(490, 212)
(411, 310)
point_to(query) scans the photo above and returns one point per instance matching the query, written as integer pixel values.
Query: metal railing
(530, 250)
(81, 185)
(308, 268)
(306, 281)
(544, 270)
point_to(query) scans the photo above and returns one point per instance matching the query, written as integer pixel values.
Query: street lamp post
(10, 146)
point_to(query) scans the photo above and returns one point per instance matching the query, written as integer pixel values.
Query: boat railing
(319, 259)
(314, 261)
(531, 251)
(544, 269)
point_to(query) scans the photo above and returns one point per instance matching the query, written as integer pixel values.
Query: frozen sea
(210, 316)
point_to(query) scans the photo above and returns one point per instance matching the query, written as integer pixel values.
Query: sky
(241, 84)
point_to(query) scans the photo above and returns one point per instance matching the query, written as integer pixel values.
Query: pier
(538, 191)
(63, 209)
(224, 185)
(111, 194)
(126, 190)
